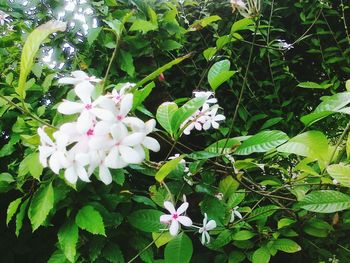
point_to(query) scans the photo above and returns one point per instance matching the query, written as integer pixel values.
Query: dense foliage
(243, 104)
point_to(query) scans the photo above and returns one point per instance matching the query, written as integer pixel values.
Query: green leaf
(286, 245)
(262, 142)
(164, 115)
(199, 24)
(30, 49)
(160, 239)
(179, 250)
(341, 173)
(32, 165)
(223, 146)
(12, 209)
(90, 220)
(219, 73)
(126, 62)
(347, 85)
(261, 255)
(170, 45)
(20, 216)
(184, 112)
(41, 205)
(235, 199)
(262, 212)
(209, 53)
(57, 257)
(113, 253)
(312, 85)
(116, 25)
(236, 256)
(329, 106)
(317, 228)
(143, 25)
(146, 220)
(325, 201)
(228, 186)
(242, 24)
(93, 34)
(313, 144)
(271, 122)
(348, 147)
(243, 235)
(6, 180)
(157, 72)
(285, 222)
(167, 168)
(68, 238)
(222, 239)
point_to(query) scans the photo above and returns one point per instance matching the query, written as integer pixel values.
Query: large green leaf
(313, 85)
(199, 24)
(141, 94)
(164, 115)
(179, 250)
(341, 173)
(325, 201)
(146, 220)
(219, 73)
(184, 112)
(243, 235)
(286, 245)
(224, 146)
(68, 238)
(41, 205)
(228, 187)
(20, 216)
(30, 49)
(330, 105)
(262, 212)
(89, 219)
(262, 142)
(242, 24)
(313, 144)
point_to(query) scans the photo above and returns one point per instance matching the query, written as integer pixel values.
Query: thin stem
(243, 85)
(344, 21)
(111, 61)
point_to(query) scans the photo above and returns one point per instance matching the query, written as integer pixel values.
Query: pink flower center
(175, 216)
(120, 117)
(88, 106)
(90, 132)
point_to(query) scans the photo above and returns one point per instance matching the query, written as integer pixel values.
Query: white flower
(212, 120)
(121, 145)
(79, 78)
(76, 167)
(97, 160)
(235, 213)
(283, 45)
(219, 196)
(177, 155)
(88, 110)
(239, 5)
(206, 94)
(207, 226)
(175, 218)
(56, 151)
(335, 182)
(3, 18)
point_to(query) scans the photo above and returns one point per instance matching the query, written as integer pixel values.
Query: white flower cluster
(103, 136)
(4, 18)
(283, 45)
(176, 218)
(206, 116)
(247, 8)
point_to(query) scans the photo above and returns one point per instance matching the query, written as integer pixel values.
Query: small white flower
(283, 45)
(177, 155)
(79, 78)
(207, 226)
(335, 182)
(219, 196)
(235, 213)
(206, 94)
(175, 218)
(213, 119)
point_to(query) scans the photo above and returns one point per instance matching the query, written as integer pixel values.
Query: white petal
(69, 107)
(105, 175)
(103, 114)
(206, 234)
(165, 218)
(82, 173)
(84, 122)
(71, 175)
(203, 238)
(174, 228)
(206, 125)
(238, 214)
(100, 142)
(182, 208)
(82, 158)
(151, 143)
(135, 123)
(126, 104)
(129, 155)
(118, 131)
(44, 138)
(219, 117)
(102, 128)
(79, 74)
(140, 151)
(134, 139)
(211, 225)
(68, 80)
(215, 124)
(198, 126)
(170, 207)
(54, 163)
(150, 125)
(185, 220)
(113, 159)
(83, 91)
